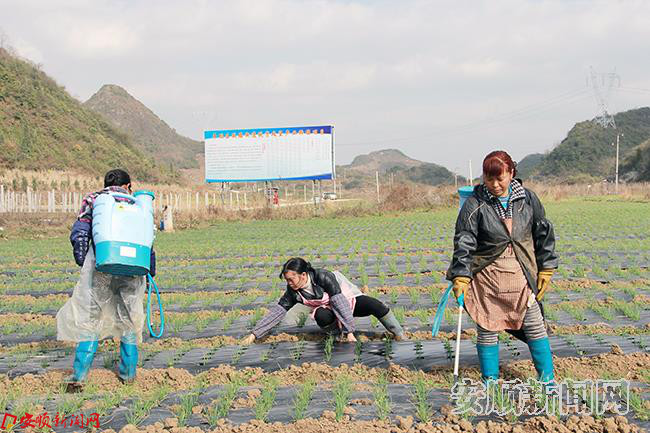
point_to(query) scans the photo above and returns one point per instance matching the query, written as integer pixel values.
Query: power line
(634, 89)
(510, 116)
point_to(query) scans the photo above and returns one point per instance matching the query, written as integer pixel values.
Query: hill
(528, 164)
(383, 161)
(392, 161)
(587, 152)
(42, 127)
(636, 166)
(150, 134)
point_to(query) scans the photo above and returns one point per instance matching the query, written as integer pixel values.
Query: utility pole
(618, 136)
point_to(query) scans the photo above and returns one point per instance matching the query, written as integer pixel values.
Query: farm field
(216, 283)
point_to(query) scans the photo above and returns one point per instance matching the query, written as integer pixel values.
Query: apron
(349, 290)
(498, 296)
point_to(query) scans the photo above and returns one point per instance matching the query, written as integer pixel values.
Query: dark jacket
(322, 281)
(481, 237)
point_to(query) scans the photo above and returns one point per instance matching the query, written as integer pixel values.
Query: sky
(443, 81)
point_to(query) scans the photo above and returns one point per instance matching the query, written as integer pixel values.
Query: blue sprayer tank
(464, 192)
(123, 232)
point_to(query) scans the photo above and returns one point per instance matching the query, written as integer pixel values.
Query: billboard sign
(265, 154)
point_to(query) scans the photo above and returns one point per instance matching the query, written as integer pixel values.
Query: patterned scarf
(516, 193)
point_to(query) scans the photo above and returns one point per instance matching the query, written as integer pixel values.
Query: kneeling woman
(334, 302)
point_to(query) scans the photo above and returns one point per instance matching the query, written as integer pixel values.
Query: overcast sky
(442, 81)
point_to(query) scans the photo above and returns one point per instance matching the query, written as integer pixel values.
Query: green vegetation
(188, 401)
(43, 127)
(302, 398)
(265, 401)
(423, 409)
(142, 405)
(222, 406)
(224, 278)
(381, 398)
(342, 391)
(586, 153)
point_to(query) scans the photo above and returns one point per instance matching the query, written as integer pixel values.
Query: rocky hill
(392, 161)
(149, 133)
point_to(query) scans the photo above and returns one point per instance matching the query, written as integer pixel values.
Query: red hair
(497, 162)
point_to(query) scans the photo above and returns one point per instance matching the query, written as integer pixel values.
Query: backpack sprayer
(123, 233)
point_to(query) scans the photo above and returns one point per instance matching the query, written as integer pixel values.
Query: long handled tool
(461, 303)
(464, 193)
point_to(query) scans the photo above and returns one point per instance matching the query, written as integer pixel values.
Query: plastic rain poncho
(103, 305)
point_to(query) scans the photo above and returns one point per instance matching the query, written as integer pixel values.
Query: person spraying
(333, 299)
(107, 301)
(503, 260)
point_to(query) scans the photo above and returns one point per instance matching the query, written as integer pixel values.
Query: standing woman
(333, 299)
(504, 257)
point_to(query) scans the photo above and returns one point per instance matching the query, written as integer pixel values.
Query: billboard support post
(377, 181)
(333, 164)
(320, 194)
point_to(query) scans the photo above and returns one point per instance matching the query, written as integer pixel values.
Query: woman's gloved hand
(460, 286)
(543, 280)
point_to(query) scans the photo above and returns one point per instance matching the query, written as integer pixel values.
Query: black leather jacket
(481, 237)
(322, 280)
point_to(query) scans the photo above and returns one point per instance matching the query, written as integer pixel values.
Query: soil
(598, 328)
(448, 424)
(395, 374)
(177, 343)
(615, 364)
(251, 397)
(34, 346)
(104, 380)
(29, 299)
(41, 319)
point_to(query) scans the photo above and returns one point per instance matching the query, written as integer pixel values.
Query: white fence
(63, 202)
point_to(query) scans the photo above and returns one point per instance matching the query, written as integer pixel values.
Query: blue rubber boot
(540, 351)
(128, 361)
(488, 358)
(83, 360)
